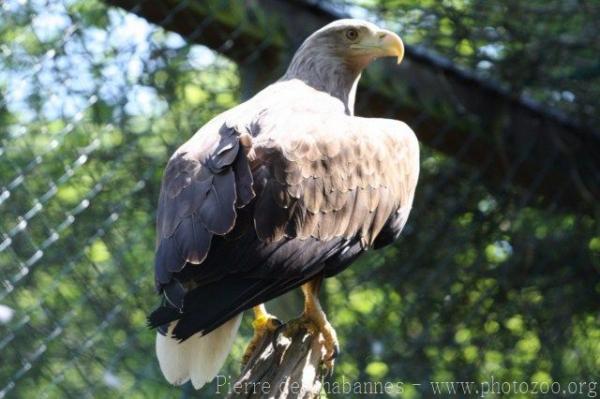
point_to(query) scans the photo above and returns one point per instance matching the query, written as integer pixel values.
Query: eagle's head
(332, 58)
(356, 42)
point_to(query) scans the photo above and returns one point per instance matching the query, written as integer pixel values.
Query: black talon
(336, 352)
(276, 323)
(328, 372)
(276, 332)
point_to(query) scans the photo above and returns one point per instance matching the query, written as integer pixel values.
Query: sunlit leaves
(377, 370)
(544, 49)
(98, 252)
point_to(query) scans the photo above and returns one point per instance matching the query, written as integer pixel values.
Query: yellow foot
(263, 325)
(323, 329)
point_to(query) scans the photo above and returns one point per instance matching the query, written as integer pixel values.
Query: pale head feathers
(332, 58)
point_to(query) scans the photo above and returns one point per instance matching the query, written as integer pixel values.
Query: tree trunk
(286, 364)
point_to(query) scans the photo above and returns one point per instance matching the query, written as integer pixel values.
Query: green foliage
(93, 102)
(545, 49)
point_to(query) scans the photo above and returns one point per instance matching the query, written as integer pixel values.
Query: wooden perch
(285, 364)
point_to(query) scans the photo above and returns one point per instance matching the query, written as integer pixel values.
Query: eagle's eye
(352, 34)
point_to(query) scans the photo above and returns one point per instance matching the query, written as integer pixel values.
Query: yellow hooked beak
(391, 44)
(382, 43)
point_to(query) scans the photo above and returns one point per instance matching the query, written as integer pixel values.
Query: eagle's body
(283, 189)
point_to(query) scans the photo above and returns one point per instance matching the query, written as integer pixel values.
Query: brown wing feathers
(324, 184)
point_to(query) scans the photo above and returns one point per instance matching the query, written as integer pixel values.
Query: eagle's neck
(325, 73)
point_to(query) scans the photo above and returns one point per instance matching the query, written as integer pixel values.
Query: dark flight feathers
(198, 199)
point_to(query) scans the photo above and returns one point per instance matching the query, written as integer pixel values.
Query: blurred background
(497, 274)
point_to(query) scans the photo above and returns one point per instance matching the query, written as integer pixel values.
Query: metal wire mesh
(490, 277)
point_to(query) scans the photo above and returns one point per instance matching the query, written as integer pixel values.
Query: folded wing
(204, 182)
(335, 176)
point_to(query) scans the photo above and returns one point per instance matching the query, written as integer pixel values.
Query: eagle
(279, 192)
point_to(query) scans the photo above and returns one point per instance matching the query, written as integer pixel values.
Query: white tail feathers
(198, 358)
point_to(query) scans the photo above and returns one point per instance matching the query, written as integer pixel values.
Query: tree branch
(452, 111)
(285, 364)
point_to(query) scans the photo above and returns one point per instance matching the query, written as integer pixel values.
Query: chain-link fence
(496, 276)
